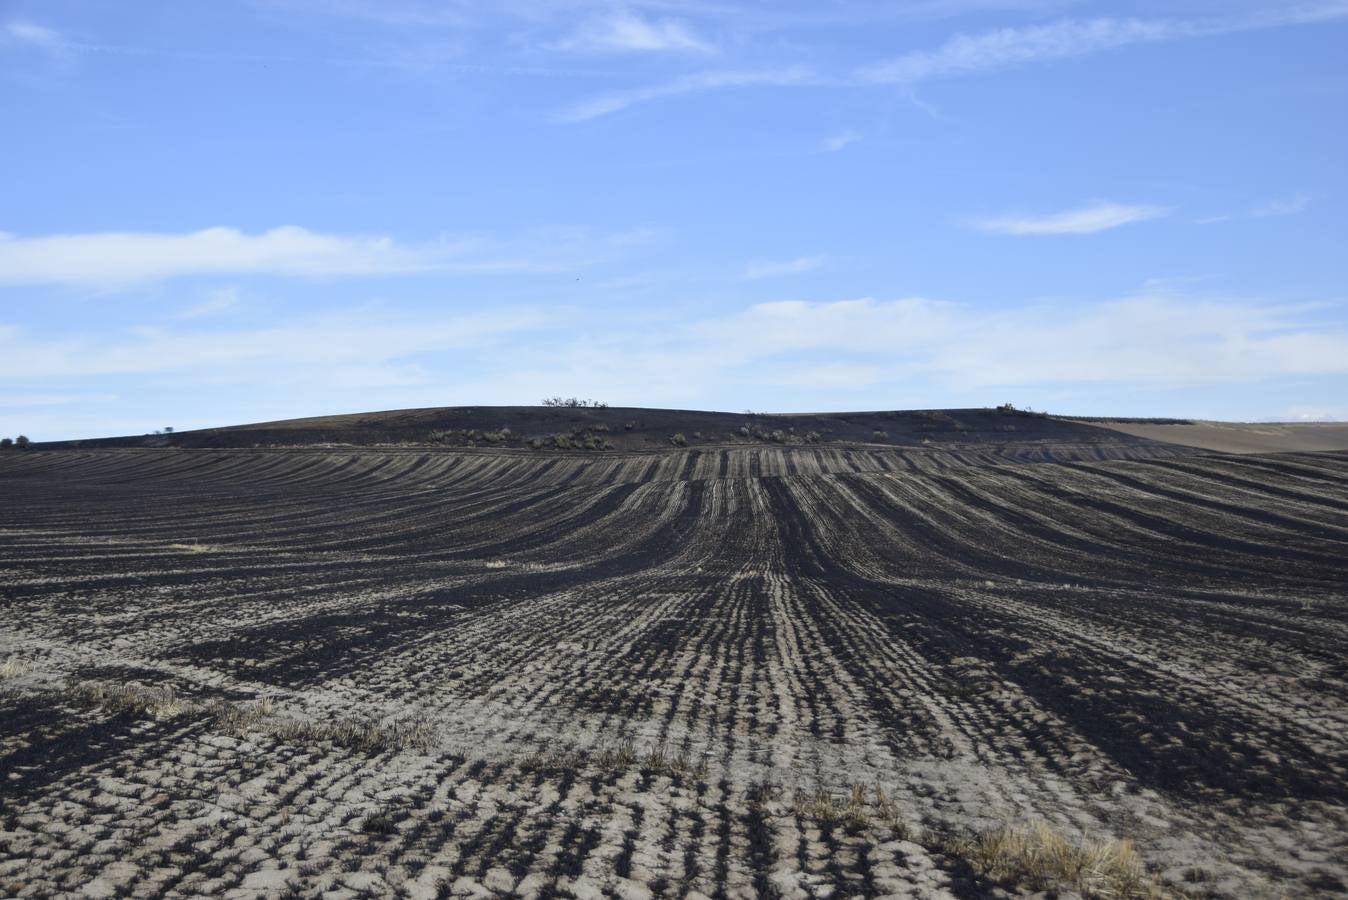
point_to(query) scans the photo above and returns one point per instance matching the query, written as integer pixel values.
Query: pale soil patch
(1240, 437)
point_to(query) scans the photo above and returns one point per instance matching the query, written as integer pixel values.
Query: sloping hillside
(632, 428)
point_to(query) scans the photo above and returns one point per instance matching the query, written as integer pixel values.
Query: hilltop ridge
(626, 428)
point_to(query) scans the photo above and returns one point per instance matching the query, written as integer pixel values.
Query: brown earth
(741, 670)
(1243, 437)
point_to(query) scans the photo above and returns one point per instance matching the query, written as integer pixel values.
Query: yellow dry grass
(256, 718)
(1035, 855)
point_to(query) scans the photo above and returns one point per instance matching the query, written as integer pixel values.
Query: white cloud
(607, 104)
(1006, 47)
(822, 353)
(1166, 339)
(973, 54)
(1287, 206)
(317, 345)
(841, 140)
(622, 31)
(122, 258)
(1303, 413)
(37, 36)
(774, 268)
(825, 354)
(1084, 220)
(969, 54)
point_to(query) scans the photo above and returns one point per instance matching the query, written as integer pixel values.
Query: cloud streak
(1083, 220)
(973, 54)
(104, 259)
(840, 141)
(624, 32)
(766, 268)
(833, 350)
(316, 346)
(827, 354)
(700, 82)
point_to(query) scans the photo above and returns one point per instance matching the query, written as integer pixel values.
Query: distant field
(1240, 437)
(737, 670)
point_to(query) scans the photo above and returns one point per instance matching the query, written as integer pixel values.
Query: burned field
(735, 671)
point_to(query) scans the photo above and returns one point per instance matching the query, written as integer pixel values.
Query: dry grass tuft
(552, 762)
(134, 699)
(680, 764)
(258, 717)
(366, 735)
(852, 812)
(856, 810)
(1037, 856)
(12, 667)
(619, 757)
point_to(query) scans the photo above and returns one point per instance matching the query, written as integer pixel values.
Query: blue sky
(243, 210)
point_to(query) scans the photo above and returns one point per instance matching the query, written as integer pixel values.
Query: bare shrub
(878, 435)
(574, 403)
(678, 440)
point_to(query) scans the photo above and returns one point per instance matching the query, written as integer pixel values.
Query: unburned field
(735, 671)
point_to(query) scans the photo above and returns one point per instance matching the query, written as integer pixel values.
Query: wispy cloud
(776, 268)
(40, 37)
(625, 32)
(1084, 220)
(1287, 206)
(840, 141)
(835, 350)
(1154, 338)
(969, 54)
(1284, 206)
(607, 104)
(973, 54)
(305, 347)
(122, 258)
